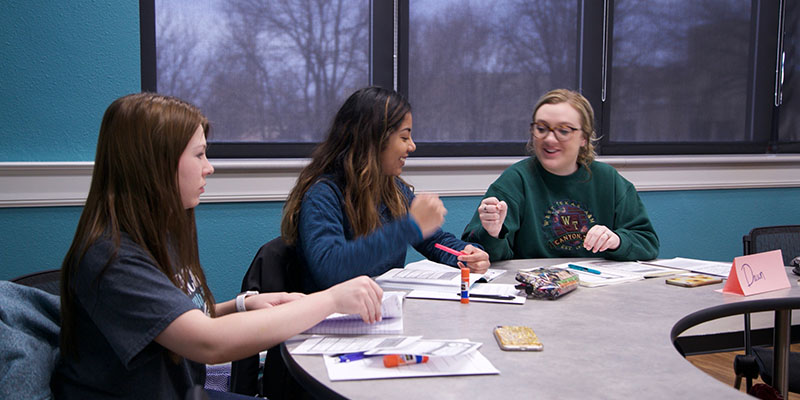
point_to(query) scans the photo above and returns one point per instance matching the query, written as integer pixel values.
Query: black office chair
(48, 280)
(274, 268)
(787, 239)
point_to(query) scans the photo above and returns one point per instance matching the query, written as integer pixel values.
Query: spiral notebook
(351, 324)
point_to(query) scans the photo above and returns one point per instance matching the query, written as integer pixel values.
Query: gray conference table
(607, 342)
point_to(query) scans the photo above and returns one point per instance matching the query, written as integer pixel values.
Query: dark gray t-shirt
(118, 316)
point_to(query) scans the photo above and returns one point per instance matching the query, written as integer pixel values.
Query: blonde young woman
(351, 213)
(138, 319)
(560, 202)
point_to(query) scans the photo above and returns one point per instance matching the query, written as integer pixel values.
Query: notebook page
(387, 326)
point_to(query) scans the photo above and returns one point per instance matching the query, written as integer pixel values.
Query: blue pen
(584, 269)
(351, 357)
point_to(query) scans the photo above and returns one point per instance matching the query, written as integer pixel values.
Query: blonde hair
(587, 153)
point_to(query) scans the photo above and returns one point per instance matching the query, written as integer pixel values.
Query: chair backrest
(274, 269)
(49, 281)
(785, 238)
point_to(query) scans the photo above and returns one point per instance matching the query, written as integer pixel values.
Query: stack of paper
(351, 324)
(480, 292)
(446, 357)
(425, 275)
(331, 345)
(702, 266)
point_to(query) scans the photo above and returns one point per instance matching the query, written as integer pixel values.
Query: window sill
(31, 184)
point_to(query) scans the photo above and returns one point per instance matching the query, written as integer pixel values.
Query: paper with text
(352, 324)
(631, 267)
(430, 348)
(492, 274)
(497, 289)
(424, 274)
(701, 266)
(351, 344)
(757, 273)
(473, 363)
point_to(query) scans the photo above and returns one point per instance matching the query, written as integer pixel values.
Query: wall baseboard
(40, 184)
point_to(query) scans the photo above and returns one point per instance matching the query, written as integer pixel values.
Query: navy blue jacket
(331, 254)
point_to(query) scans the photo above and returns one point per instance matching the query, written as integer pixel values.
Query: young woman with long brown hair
(138, 319)
(350, 213)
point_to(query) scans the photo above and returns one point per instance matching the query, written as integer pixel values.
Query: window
(788, 96)
(682, 71)
(263, 72)
(476, 68)
(664, 76)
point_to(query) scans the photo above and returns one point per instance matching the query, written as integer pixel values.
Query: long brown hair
(135, 190)
(351, 154)
(587, 153)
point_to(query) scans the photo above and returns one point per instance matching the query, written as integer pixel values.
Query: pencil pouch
(547, 283)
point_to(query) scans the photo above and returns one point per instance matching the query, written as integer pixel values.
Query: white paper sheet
(426, 275)
(702, 266)
(492, 274)
(351, 344)
(352, 324)
(632, 267)
(501, 289)
(473, 363)
(431, 348)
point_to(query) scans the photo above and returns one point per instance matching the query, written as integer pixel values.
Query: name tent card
(757, 273)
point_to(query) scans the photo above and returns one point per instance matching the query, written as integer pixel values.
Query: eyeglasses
(562, 133)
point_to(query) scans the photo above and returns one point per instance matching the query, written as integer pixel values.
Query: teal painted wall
(61, 64)
(705, 224)
(64, 62)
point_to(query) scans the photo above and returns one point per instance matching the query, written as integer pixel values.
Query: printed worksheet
(352, 324)
(472, 363)
(351, 344)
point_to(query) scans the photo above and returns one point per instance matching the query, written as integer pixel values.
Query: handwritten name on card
(757, 273)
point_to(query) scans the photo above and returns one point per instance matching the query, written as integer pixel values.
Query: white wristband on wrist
(240, 300)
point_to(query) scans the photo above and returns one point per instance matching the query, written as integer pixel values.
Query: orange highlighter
(394, 360)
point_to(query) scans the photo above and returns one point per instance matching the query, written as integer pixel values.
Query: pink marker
(449, 250)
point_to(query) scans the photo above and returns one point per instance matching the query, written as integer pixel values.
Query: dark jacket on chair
(274, 269)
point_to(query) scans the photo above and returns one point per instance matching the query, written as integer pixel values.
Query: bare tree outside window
(263, 70)
(477, 67)
(681, 72)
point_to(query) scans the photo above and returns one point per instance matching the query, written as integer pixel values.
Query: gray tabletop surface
(609, 342)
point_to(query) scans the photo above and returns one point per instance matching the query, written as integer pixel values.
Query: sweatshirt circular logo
(566, 223)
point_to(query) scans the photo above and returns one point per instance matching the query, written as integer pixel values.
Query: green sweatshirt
(549, 215)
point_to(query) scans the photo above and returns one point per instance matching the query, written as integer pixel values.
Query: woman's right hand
(360, 295)
(492, 213)
(428, 212)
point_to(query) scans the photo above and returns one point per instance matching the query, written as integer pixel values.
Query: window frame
(594, 56)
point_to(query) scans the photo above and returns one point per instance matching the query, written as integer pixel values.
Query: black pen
(491, 296)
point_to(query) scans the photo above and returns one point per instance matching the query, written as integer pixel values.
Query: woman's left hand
(475, 259)
(267, 300)
(600, 238)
